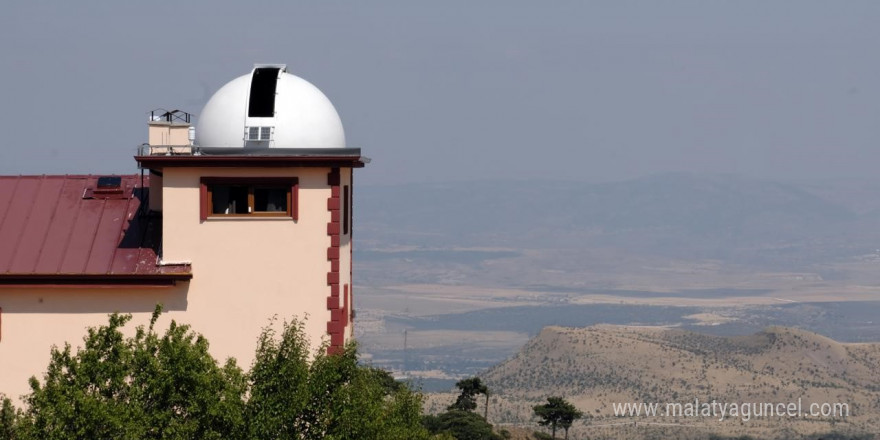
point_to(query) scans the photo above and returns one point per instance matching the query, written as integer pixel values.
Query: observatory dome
(269, 108)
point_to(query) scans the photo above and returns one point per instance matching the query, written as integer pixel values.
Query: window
(249, 197)
(109, 182)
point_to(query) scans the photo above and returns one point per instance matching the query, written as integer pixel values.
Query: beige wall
(245, 271)
(35, 319)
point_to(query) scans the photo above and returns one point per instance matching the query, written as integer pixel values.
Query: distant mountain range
(677, 215)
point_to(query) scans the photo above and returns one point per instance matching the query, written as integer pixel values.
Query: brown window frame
(291, 184)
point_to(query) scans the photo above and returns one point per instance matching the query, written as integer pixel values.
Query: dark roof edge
(292, 152)
(206, 160)
(91, 280)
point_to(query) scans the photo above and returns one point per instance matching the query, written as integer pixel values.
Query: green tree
(153, 386)
(467, 399)
(8, 419)
(146, 387)
(385, 379)
(331, 397)
(459, 420)
(557, 413)
(463, 425)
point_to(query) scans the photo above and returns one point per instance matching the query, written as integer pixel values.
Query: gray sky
(467, 90)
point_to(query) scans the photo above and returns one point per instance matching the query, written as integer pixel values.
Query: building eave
(267, 157)
(92, 280)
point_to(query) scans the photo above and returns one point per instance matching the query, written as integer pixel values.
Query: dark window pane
(262, 97)
(270, 199)
(229, 199)
(346, 201)
(109, 182)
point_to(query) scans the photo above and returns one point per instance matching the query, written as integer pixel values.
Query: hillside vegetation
(598, 366)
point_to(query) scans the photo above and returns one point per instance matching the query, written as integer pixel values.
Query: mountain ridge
(674, 214)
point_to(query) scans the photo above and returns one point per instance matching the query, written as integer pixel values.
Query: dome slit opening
(261, 103)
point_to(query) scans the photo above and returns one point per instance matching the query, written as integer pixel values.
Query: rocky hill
(600, 366)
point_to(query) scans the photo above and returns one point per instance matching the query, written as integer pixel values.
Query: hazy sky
(454, 90)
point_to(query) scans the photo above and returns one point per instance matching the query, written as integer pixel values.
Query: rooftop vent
(108, 183)
(107, 187)
(258, 134)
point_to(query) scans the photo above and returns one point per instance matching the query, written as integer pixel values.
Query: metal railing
(162, 115)
(166, 150)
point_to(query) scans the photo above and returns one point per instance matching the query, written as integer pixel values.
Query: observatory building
(244, 216)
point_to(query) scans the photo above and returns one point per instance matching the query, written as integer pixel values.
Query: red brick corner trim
(338, 309)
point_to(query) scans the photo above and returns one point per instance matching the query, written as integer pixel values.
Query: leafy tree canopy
(7, 418)
(153, 386)
(467, 400)
(557, 413)
(330, 398)
(147, 386)
(462, 425)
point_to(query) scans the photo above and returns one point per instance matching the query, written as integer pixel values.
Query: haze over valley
(455, 279)
(472, 270)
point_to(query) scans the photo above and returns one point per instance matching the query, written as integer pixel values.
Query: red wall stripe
(336, 324)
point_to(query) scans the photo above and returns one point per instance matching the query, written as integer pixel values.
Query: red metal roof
(59, 230)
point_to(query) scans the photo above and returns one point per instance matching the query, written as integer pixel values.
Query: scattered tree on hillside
(459, 421)
(557, 413)
(462, 425)
(467, 400)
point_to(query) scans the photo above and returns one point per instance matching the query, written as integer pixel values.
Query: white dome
(288, 112)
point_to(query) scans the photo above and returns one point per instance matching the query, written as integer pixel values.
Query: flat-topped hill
(599, 366)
